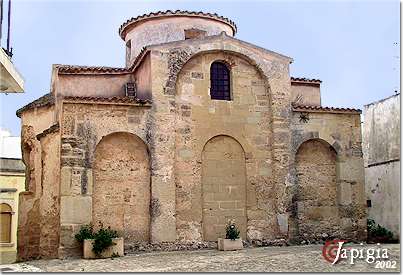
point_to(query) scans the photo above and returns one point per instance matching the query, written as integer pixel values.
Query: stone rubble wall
(50, 195)
(39, 203)
(83, 127)
(121, 186)
(342, 133)
(317, 207)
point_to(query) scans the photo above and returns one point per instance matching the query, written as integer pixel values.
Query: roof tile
(74, 69)
(115, 99)
(45, 100)
(324, 109)
(49, 99)
(303, 79)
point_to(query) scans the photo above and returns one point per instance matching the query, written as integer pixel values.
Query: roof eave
(43, 101)
(319, 109)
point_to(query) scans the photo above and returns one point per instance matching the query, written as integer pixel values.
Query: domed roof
(169, 13)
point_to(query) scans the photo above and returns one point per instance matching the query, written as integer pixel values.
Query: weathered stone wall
(102, 85)
(381, 145)
(317, 207)
(382, 184)
(195, 162)
(83, 127)
(28, 233)
(381, 131)
(142, 76)
(248, 120)
(223, 187)
(342, 133)
(121, 187)
(305, 94)
(50, 195)
(35, 238)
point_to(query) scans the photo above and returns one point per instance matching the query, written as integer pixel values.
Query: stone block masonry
(171, 167)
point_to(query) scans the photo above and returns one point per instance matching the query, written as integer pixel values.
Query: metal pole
(8, 26)
(1, 19)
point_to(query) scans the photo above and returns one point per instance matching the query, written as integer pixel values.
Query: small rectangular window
(194, 33)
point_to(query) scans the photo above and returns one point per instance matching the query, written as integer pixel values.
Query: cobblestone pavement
(263, 259)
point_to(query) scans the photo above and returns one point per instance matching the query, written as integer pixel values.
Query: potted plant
(105, 243)
(232, 240)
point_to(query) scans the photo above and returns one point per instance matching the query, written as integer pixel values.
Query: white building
(381, 148)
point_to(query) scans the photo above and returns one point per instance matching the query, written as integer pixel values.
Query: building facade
(381, 146)
(198, 129)
(12, 182)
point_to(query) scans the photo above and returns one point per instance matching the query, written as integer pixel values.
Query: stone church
(199, 128)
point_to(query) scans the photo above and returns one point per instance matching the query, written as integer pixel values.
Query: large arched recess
(121, 194)
(317, 199)
(223, 187)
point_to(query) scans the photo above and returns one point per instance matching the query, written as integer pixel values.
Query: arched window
(220, 81)
(5, 223)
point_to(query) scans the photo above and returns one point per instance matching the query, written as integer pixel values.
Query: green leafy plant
(86, 232)
(103, 240)
(114, 255)
(379, 233)
(232, 231)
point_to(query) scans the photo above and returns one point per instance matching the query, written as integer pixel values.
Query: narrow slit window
(128, 50)
(220, 82)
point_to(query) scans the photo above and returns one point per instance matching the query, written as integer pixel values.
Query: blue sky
(349, 45)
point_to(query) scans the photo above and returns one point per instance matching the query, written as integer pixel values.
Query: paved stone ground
(263, 259)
